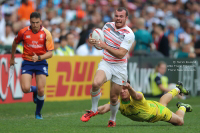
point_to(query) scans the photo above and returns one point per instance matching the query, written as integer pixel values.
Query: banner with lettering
(70, 78)
(13, 93)
(185, 70)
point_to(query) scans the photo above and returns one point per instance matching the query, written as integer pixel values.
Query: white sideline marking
(65, 114)
(44, 116)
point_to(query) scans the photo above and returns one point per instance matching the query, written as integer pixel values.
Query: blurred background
(71, 21)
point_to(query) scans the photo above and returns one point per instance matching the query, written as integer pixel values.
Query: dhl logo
(72, 80)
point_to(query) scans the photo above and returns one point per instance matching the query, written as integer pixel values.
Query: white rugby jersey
(116, 38)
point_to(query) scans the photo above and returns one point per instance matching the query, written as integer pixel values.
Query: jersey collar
(120, 28)
(127, 102)
(38, 30)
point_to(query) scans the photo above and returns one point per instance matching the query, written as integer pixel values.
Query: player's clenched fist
(34, 57)
(12, 62)
(91, 40)
(127, 86)
(101, 44)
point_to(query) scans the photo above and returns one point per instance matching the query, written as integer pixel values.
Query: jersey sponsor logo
(28, 36)
(34, 42)
(35, 46)
(72, 79)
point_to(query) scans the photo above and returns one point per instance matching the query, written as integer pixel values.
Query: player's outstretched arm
(162, 88)
(135, 95)
(104, 109)
(12, 60)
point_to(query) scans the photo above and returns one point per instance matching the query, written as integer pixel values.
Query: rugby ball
(98, 34)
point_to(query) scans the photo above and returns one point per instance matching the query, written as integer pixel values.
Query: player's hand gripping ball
(98, 34)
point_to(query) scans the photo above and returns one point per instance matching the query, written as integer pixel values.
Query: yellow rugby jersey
(138, 110)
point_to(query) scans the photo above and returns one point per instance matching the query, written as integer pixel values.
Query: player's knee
(96, 85)
(179, 122)
(113, 99)
(25, 88)
(40, 91)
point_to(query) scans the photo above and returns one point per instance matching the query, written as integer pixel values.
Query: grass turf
(65, 117)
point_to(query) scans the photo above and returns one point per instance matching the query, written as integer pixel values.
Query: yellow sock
(182, 108)
(174, 92)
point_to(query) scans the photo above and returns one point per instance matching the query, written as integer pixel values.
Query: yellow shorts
(164, 114)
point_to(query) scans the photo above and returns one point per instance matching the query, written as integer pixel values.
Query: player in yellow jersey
(134, 106)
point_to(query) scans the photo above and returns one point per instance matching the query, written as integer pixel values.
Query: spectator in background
(159, 82)
(105, 9)
(9, 9)
(77, 16)
(57, 52)
(25, 9)
(87, 49)
(46, 24)
(185, 49)
(66, 43)
(85, 32)
(70, 44)
(197, 43)
(19, 49)
(2, 28)
(160, 14)
(173, 44)
(9, 35)
(173, 26)
(197, 48)
(63, 46)
(71, 12)
(163, 43)
(150, 16)
(142, 46)
(63, 30)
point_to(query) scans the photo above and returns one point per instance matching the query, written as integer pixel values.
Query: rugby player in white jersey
(118, 39)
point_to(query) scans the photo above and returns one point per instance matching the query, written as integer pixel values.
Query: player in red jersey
(38, 46)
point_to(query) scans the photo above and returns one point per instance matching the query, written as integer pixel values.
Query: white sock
(95, 99)
(113, 111)
(41, 97)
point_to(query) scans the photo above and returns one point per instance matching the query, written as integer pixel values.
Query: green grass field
(65, 117)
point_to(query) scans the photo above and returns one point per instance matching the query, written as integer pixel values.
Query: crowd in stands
(163, 28)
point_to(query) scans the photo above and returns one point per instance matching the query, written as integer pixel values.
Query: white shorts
(114, 72)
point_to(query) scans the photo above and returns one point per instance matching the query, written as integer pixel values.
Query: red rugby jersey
(38, 43)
